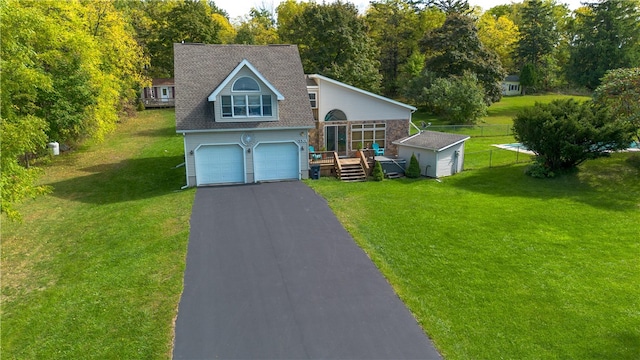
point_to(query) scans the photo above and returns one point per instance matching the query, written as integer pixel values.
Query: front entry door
(336, 139)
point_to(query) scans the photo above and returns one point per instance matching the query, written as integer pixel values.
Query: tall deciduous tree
(174, 22)
(333, 41)
(395, 28)
(607, 36)
(458, 49)
(257, 29)
(500, 35)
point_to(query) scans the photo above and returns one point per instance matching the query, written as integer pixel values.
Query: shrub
(413, 171)
(378, 174)
(565, 133)
(140, 106)
(458, 99)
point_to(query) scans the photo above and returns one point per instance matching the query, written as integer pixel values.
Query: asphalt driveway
(272, 274)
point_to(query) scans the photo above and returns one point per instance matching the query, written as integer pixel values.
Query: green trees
(394, 26)
(565, 133)
(258, 29)
(457, 99)
(620, 93)
(500, 35)
(458, 49)
(68, 70)
(606, 37)
(333, 41)
(538, 37)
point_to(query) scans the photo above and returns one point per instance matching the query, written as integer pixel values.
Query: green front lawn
(497, 265)
(96, 268)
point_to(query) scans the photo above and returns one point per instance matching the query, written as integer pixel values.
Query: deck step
(352, 171)
(394, 175)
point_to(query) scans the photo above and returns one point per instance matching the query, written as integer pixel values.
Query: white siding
(356, 106)
(193, 140)
(264, 90)
(435, 164)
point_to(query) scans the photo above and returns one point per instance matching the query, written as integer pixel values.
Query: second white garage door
(219, 164)
(276, 161)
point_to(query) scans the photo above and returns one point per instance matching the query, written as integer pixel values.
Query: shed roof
(200, 69)
(432, 140)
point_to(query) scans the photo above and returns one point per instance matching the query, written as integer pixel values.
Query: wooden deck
(345, 168)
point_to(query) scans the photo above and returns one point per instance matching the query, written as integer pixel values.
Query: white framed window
(246, 84)
(364, 135)
(313, 99)
(235, 106)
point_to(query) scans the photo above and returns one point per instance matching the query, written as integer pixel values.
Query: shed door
(219, 164)
(276, 161)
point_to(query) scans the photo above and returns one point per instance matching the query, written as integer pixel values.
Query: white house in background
(511, 85)
(439, 154)
(162, 93)
(243, 111)
(348, 118)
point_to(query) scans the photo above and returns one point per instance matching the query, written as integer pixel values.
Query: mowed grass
(502, 112)
(95, 270)
(498, 265)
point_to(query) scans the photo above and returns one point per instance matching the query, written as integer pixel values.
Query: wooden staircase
(352, 169)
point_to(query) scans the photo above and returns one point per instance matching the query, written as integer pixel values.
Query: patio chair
(314, 156)
(377, 149)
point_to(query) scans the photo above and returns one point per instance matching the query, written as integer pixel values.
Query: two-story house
(243, 111)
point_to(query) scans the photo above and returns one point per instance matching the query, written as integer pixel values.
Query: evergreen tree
(378, 174)
(413, 171)
(607, 36)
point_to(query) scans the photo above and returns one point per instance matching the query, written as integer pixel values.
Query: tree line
(72, 69)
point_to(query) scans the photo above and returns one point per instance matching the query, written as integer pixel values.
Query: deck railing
(322, 157)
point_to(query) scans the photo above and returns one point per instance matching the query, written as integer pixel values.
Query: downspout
(184, 142)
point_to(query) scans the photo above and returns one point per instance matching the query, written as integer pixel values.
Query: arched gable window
(335, 115)
(245, 83)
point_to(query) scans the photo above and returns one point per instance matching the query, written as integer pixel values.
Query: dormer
(245, 95)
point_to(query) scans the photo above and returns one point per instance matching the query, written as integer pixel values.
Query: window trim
(231, 106)
(368, 127)
(233, 86)
(314, 102)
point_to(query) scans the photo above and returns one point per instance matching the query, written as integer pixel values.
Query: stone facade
(395, 130)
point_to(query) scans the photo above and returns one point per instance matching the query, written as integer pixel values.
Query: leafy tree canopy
(606, 37)
(457, 49)
(457, 99)
(333, 41)
(501, 36)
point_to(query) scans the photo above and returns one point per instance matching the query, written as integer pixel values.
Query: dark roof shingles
(432, 140)
(200, 69)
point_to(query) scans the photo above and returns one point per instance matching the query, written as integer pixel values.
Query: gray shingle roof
(200, 69)
(432, 140)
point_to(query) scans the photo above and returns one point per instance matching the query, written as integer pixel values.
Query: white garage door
(219, 164)
(276, 161)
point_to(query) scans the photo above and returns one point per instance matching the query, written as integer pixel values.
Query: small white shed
(439, 154)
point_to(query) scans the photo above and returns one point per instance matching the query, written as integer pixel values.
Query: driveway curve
(272, 274)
